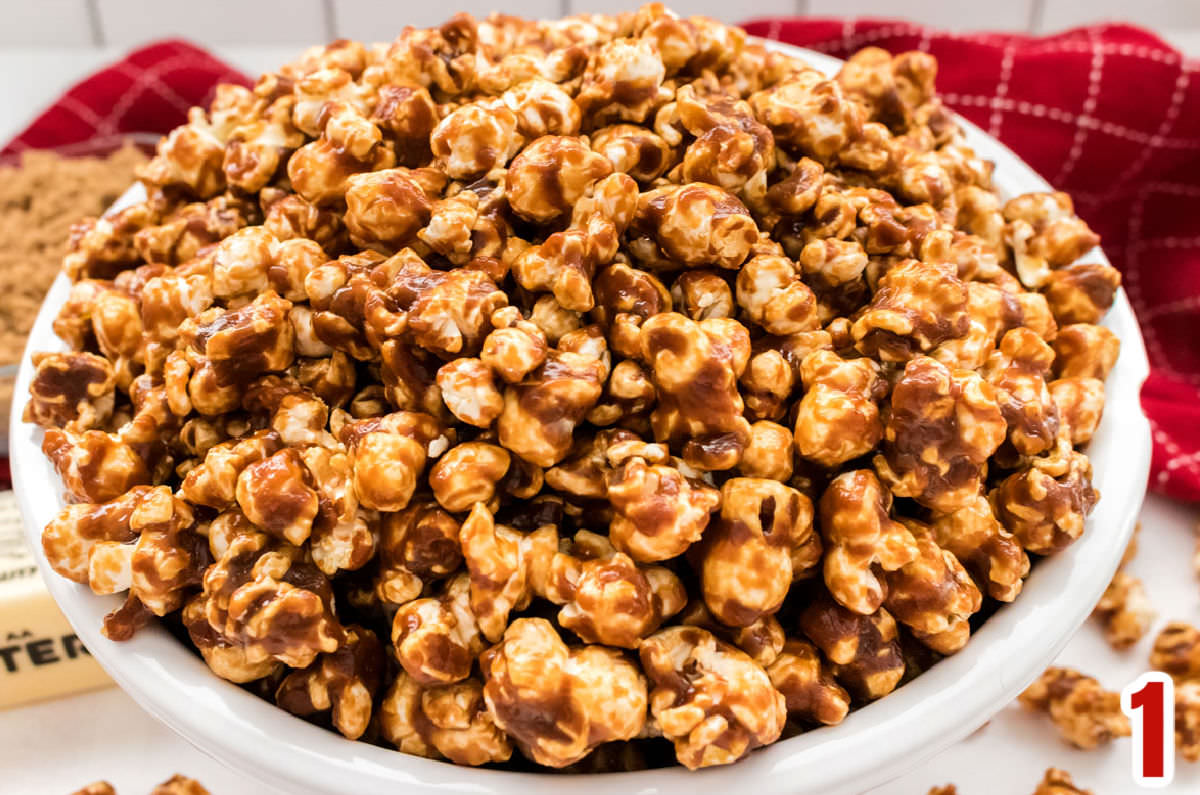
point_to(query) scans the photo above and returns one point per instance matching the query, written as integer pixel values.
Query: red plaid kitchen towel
(1109, 113)
(147, 91)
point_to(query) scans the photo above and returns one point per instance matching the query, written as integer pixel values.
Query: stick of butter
(40, 656)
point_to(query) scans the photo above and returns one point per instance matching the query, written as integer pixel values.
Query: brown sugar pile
(39, 200)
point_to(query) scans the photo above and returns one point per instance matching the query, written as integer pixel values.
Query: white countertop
(56, 747)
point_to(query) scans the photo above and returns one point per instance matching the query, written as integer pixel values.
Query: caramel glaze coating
(557, 387)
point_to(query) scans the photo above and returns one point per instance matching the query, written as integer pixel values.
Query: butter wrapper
(40, 655)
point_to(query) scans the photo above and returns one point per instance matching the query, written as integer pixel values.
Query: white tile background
(96, 23)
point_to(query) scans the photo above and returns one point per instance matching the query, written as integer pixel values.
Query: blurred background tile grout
(97, 24)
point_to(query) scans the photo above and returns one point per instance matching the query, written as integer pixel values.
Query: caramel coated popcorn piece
(94, 466)
(554, 319)
(1085, 714)
(543, 108)
(558, 703)
(1085, 351)
(289, 216)
(693, 225)
(453, 222)
(213, 481)
(75, 390)
(989, 552)
(450, 721)
(168, 558)
(862, 539)
(169, 299)
(622, 82)
(633, 150)
(438, 638)
(940, 429)
(99, 248)
(629, 394)
(892, 87)
(1045, 234)
(504, 566)
(1018, 369)
(449, 312)
(345, 682)
(1045, 504)
(769, 454)
(277, 494)
(1125, 611)
(344, 534)
(916, 307)
(226, 658)
(349, 144)
(1080, 404)
(1082, 292)
(624, 298)
(1187, 720)
(388, 454)
(992, 311)
(606, 597)
(1177, 651)
(191, 156)
(441, 57)
(241, 262)
(385, 209)
(515, 347)
(475, 138)
(69, 540)
(808, 685)
(551, 175)
(260, 599)
(1059, 782)
(863, 649)
(683, 354)
(228, 349)
(702, 294)
(771, 293)
(470, 391)
(256, 149)
(746, 569)
(809, 114)
(468, 473)
(732, 149)
(769, 390)
(933, 595)
(416, 545)
(838, 416)
(710, 699)
(834, 267)
(541, 412)
(658, 510)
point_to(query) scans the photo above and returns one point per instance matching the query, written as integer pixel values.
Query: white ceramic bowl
(874, 744)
